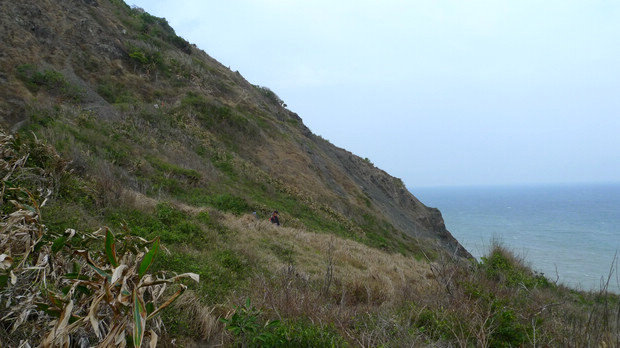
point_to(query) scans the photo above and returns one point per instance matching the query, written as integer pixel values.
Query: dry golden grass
(205, 323)
(374, 298)
(354, 264)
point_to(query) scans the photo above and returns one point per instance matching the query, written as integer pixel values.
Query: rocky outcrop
(394, 201)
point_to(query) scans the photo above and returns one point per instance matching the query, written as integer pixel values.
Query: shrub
(434, 323)
(246, 325)
(502, 266)
(115, 93)
(159, 27)
(51, 80)
(190, 175)
(138, 56)
(168, 214)
(196, 101)
(214, 114)
(270, 95)
(148, 60)
(230, 260)
(230, 203)
(302, 333)
(225, 164)
(509, 332)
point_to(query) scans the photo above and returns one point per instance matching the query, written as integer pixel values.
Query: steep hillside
(129, 156)
(134, 79)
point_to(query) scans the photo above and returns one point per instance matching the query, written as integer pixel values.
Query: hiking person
(274, 218)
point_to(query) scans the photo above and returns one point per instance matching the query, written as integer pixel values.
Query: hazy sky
(437, 92)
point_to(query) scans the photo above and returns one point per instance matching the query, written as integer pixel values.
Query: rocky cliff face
(181, 123)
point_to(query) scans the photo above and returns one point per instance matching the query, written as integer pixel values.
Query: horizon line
(521, 184)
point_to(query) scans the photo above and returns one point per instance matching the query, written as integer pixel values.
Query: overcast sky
(437, 92)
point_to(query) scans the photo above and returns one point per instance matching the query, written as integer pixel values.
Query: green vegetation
(223, 271)
(244, 324)
(149, 60)
(498, 301)
(230, 203)
(381, 234)
(171, 169)
(500, 266)
(221, 119)
(115, 92)
(167, 223)
(158, 27)
(249, 329)
(270, 95)
(79, 269)
(51, 80)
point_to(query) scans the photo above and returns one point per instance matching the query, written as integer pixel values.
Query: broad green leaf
(148, 258)
(55, 300)
(75, 275)
(46, 308)
(38, 245)
(83, 290)
(99, 271)
(124, 297)
(73, 319)
(110, 248)
(29, 207)
(139, 319)
(58, 244)
(92, 265)
(272, 324)
(72, 275)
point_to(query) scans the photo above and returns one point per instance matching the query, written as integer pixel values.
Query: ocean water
(570, 232)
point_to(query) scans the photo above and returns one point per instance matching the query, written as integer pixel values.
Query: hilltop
(121, 138)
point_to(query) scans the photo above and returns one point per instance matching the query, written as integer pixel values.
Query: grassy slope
(167, 109)
(187, 171)
(329, 290)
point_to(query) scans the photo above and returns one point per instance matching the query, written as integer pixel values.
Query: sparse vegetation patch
(50, 80)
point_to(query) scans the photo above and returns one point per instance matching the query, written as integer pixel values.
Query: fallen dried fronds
(65, 281)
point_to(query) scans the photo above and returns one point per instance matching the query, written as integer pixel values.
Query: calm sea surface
(572, 228)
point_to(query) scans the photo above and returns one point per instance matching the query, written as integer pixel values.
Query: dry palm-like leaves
(71, 283)
(22, 257)
(113, 301)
